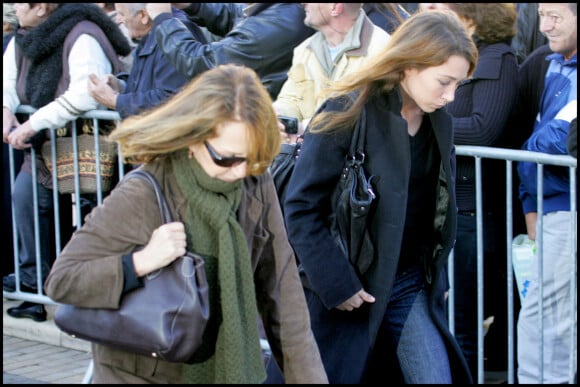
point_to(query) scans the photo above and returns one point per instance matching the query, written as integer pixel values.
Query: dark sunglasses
(223, 161)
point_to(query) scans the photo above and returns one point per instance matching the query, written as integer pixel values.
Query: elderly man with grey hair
(152, 78)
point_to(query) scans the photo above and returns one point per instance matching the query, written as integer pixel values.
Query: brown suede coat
(89, 273)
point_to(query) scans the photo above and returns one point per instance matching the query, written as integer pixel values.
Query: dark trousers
(24, 212)
(494, 293)
(7, 245)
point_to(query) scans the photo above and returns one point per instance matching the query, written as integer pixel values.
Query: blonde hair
(223, 94)
(426, 39)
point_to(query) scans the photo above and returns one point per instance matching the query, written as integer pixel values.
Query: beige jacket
(89, 273)
(312, 69)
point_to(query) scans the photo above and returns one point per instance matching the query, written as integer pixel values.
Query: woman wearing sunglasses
(209, 147)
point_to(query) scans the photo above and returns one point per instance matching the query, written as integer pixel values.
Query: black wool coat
(347, 339)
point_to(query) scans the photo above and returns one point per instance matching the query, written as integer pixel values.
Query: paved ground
(33, 362)
(38, 353)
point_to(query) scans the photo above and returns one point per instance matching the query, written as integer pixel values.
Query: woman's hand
(167, 243)
(104, 91)
(356, 301)
(9, 122)
(20, 136)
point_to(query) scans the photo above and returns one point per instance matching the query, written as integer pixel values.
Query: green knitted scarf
(213, 231)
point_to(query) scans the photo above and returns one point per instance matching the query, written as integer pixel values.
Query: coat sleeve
(192, 57)
(218, 18)
(86, 57)
(262, 41)
(281, 300)
(491, 93)
(9, 74)
(307, 210)
(298, 89)
(165, 81)
(89, 272)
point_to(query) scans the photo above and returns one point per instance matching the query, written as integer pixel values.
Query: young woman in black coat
(390, 319)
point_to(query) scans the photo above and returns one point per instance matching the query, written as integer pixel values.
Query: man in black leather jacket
(261, 36)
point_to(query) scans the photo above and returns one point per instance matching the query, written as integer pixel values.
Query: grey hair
(133, 8)
(9, 15)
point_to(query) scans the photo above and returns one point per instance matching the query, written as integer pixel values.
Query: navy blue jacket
(480, 111)
(153, 78)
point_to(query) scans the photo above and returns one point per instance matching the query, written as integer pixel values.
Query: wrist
(113, 100)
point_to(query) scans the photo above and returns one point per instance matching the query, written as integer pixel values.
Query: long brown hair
(426, 39)
(222, 94)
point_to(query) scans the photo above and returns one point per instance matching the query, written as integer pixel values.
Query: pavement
(39, 353)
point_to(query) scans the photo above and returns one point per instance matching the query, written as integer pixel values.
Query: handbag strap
(357, 143)
(166, 216)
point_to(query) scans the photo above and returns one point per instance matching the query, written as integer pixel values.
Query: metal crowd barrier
(477, 152)
(541, 159)
(76, 221)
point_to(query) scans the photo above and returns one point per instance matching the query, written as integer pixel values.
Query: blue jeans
(409, 348)
(419, 347)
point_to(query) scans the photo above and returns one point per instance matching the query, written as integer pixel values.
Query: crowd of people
(200, 89)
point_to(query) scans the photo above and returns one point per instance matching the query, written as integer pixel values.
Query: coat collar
(440, 118)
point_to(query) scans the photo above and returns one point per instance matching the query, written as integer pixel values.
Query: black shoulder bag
(164, 319)
(353, 200)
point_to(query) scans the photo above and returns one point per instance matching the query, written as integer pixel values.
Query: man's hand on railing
(104, 91)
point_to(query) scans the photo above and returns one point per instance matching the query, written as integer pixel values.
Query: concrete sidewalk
(39, 353)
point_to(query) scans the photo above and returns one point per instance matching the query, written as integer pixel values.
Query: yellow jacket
(312, 69)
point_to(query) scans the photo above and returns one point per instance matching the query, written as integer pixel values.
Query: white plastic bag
(523, 254)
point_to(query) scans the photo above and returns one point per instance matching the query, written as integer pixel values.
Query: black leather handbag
(353, 200)
(164, 319)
